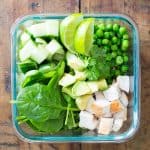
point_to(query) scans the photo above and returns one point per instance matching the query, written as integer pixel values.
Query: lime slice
(84, 36)
(68, 28)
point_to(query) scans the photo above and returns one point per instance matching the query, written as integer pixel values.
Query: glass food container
(130, 126)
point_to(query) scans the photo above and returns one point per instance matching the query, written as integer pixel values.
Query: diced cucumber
(67, 80)
(93, 85)
(68, 90)
(81, 88)
(80, 75)
(88, 87)
(30, 50)
(39, 54)
(82, 101)
(24, 37)
(54, 47)
(27, 65)
(25, 52)
(40, 41)
(75, 62)
(102, 85)
(47, 28)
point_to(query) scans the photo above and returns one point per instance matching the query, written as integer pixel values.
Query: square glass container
(130, 126)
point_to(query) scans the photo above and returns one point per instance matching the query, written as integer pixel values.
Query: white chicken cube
(100, 107)
(105, 126)
(121, 115)
(117, 124)
(99, 96)
(112, 93)
(87, 120)
(124, 99)
(123, 83)
(108, 115)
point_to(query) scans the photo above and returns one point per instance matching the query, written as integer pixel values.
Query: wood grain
(10, 10)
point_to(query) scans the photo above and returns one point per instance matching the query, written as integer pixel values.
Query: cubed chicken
(123, 83)
(105, 126)
(99, 96)
(108, 115)
(100, 107)
(112, 93)
(116, 106)
(124, 99)
(87, 120)
(117, 125)
(121, 115)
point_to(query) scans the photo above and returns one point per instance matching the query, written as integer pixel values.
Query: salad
(72, 75)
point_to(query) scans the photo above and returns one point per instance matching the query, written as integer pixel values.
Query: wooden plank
(9, 11)
(139, 11)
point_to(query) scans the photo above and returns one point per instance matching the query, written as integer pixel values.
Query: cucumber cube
(47, 28)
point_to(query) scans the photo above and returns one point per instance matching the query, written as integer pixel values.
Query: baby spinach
(43, 106)
(34, 102)
(49, 126)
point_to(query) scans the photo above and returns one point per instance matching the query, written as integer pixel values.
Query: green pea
(113, 54)
(125, 45)
(125, 36)
(105, 41)
(119, 60)
(119, 53)
(99, 33)
(108, 57)
(101, 26)
(124, 68)
(109, 27)
(119, 35)
(114, 47)
(106, 48)
(118, 42)
(106, 35)
(112, 34)
(116, 27)
(125, 58)
(114, 40)
(122, 30)
(99, 42)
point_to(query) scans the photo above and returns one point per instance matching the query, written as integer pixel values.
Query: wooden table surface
(138, 10)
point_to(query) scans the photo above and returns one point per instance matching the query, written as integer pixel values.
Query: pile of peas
(114, 40)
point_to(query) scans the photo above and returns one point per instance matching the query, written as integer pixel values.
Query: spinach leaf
(49, 126)
(37, 76)
(34, 102)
